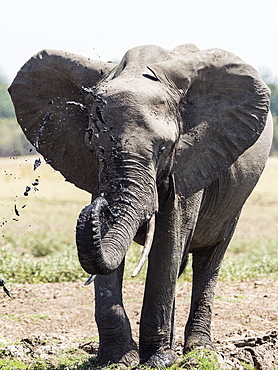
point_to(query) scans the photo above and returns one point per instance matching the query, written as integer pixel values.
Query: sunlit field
(38, 230)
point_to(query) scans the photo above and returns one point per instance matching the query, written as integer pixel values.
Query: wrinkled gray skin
(179, 133)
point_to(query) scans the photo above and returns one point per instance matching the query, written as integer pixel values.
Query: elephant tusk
(90, 279)
(147, 246)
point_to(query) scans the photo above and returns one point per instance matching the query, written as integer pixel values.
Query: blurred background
(106, 29)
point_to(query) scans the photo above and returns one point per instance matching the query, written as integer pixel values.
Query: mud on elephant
(170, 143)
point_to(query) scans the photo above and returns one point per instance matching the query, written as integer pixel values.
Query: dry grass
(259, 217)
(53, 207)
(57, 203)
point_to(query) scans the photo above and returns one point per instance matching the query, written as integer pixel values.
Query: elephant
(170, 144)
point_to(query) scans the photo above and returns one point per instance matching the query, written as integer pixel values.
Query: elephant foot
(194, 341)
(161, 359)
(122, 355)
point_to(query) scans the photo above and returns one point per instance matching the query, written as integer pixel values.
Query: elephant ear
(223, 104)
(49, 96)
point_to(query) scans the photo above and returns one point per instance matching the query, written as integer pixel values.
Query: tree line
(14, 143)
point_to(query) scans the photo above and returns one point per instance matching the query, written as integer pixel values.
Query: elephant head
(170, 120)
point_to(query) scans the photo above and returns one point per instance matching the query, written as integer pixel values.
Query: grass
(37, 231)
(200, 359)
(11, 317)
(73, 359)
(38, 245)
(252, 253)
(67, 360)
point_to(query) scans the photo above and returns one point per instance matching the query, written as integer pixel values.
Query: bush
(12, 140)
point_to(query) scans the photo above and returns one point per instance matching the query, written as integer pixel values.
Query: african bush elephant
(175, 143)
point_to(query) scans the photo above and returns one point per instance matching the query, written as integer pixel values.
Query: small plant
(200, 359)
(12, 364)
(11, 317)
(71, 359)
(248, 366)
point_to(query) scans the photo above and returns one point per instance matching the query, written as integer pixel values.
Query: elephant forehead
(134, 92)
(144, 108)
(145, 111)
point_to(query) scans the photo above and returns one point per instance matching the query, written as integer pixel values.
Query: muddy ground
(244, 327)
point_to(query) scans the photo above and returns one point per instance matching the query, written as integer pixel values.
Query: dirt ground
(244, 326)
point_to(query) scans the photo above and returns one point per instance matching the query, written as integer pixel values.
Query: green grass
(198, 359)
(74, 359)
(66, 360)
(55, 268)
(249, 260)
(246, 260)
(11, 317)
(257, 259)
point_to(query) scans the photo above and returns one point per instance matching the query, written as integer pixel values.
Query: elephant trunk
(106, 227)
(88, 233)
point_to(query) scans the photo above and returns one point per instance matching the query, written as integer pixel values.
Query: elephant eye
(153, 78)
(161, 149)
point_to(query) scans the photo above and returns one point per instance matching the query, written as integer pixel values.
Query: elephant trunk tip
(88, 238)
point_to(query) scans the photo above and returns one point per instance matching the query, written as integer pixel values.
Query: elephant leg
(173, 235)
(206, 266)
(115, 339)
(156, 326)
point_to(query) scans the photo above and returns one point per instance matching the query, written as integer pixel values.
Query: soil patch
(244, 326)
